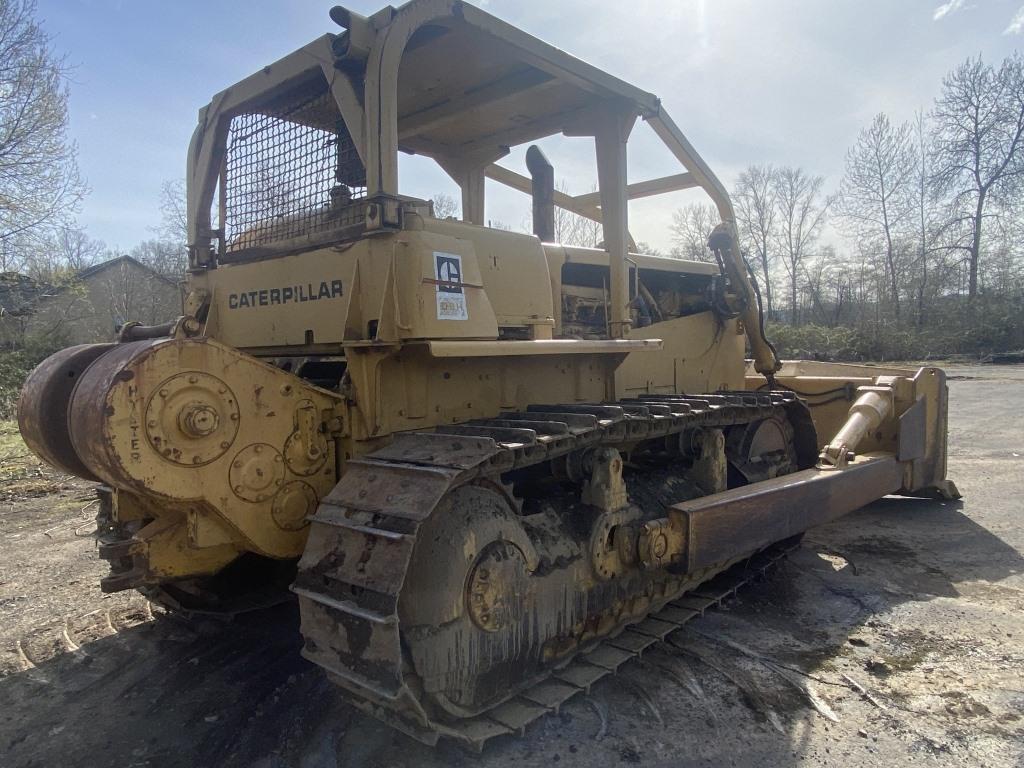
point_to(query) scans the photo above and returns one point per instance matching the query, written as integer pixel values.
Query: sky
(789, 82)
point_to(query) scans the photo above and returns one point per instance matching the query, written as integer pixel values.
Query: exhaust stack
(543, 193)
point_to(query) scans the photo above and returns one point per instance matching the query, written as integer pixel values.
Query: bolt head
(198, 420)
(659, 546)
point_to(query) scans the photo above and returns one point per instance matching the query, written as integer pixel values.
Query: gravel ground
(894, 636)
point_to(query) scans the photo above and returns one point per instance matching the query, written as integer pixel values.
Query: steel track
(363, 534)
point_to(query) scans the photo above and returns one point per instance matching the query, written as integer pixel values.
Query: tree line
(926, 256)
(41, 189)
(42, 247)
(918, 251)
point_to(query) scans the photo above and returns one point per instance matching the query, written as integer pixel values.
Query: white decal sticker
(451, 299)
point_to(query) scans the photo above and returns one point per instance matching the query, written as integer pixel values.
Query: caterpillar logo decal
(451, 299)
(288, 294)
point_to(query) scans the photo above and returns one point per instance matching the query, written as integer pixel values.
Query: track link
(363, 534)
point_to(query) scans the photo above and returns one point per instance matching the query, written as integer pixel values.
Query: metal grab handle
(133, 331)
(636, 273)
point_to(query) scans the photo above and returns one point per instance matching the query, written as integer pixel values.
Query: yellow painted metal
(177, 541)
(542, 347)
(403, 388)
(914, 429)
(700, 353)
(195, 429)
(395, 89)
(215, 443)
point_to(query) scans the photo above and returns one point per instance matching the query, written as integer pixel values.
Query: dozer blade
(755, 516)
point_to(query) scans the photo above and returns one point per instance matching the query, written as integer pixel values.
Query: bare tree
(978, 140)
(573, 229)
(167, 253)
(173, 213)
(446, 206)
(691, 226)
(644, 247)
(39, 181)
(801, 212)
(828, 282)
(876, 200)
(168, 259)
(65, 251)
(756, 210)
(927, 217)
(580, 230)
(76, 249)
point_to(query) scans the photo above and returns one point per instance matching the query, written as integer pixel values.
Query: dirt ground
(894, 636)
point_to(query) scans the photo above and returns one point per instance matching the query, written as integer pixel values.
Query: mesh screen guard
(290, 172)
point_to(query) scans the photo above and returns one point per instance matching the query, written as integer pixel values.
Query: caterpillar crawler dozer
(491, 467)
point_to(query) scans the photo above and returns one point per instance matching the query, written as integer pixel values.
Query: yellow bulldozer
(491, 467)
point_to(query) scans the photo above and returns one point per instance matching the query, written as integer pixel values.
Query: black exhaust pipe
(543, 193)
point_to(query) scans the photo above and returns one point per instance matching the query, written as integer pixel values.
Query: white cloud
(947, 8)
(1017, 24)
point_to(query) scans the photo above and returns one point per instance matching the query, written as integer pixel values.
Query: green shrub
(991, 324)
(15, 366)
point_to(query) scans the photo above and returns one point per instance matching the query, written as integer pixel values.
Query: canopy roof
(445, 79)
(435, 77)
(472, 83)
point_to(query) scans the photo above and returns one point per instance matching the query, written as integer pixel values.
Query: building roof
(19, 293)
(103, 266)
